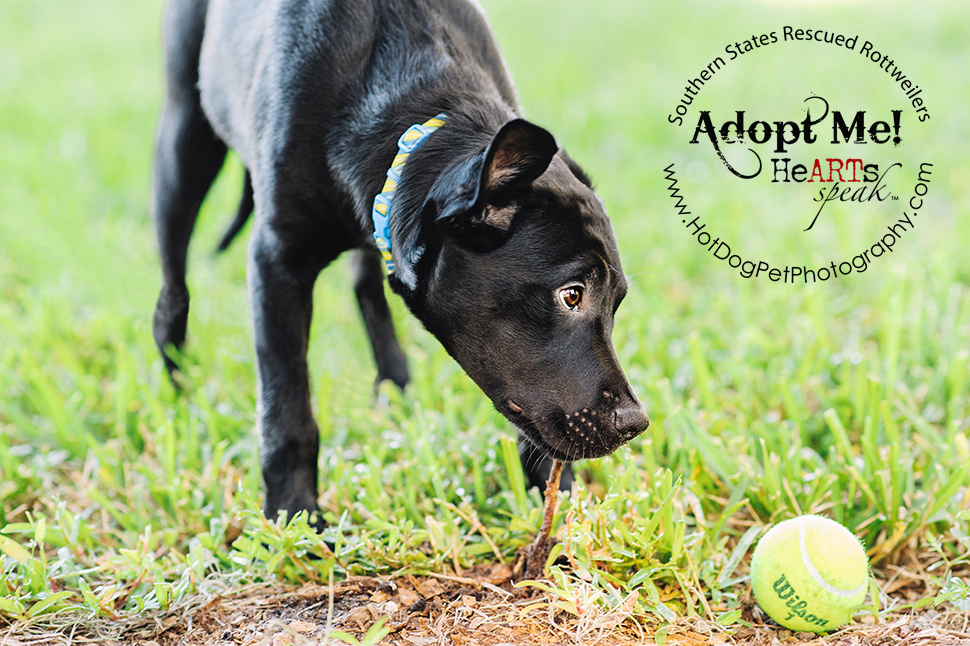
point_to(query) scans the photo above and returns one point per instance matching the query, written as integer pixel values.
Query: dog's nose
(631, 421)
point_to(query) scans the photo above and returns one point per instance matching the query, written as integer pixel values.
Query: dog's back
(314, 56)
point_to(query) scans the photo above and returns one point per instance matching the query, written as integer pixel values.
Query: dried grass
(478, 609)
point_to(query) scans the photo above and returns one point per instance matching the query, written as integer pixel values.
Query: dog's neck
(382, 211)
(414, 238)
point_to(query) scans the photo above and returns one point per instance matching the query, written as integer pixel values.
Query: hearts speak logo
(839, 160)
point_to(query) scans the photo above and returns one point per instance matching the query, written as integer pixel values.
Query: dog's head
(519, 277)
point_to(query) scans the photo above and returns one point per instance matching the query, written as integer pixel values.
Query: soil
(433, 612)
(479, 609)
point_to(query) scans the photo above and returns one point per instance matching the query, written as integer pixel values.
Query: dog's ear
(474, 199)
(518, 154)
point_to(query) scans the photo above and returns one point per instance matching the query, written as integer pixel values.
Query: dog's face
(523, 293)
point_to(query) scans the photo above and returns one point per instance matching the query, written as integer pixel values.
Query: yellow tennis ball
(808, 573)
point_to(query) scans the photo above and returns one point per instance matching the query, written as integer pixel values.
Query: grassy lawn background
(848, 398)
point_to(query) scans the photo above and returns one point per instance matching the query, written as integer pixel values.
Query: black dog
(498, 243)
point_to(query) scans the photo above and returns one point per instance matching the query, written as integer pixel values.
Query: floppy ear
(474, 194)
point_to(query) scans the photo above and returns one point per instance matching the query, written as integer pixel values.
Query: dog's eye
(571, 297)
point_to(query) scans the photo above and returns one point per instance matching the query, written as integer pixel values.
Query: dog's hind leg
(368, 271)
(188, 157)
(187, 160)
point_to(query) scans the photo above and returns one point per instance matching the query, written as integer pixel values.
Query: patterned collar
(412, 138)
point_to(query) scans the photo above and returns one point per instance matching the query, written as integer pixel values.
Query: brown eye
(571, 297)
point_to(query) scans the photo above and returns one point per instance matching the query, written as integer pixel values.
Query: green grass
(849, 398)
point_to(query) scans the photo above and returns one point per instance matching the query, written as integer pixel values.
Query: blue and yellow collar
(412, 138)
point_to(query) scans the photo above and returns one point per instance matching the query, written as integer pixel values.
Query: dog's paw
(170, 323)
(395, 370)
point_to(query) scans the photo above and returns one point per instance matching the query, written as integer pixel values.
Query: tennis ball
(808, 573)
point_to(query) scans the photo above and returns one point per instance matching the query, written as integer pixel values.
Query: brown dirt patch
(480, 609)
(450, 612)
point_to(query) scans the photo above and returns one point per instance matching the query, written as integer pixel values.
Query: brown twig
(535, 560)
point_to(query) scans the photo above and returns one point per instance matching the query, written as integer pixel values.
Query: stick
(539, 550)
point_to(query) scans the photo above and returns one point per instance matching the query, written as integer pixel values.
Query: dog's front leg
(538, 466)
(368, 271)
(281, 289)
